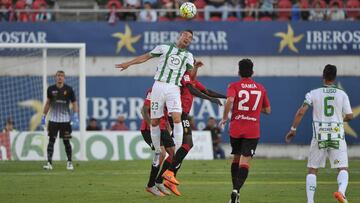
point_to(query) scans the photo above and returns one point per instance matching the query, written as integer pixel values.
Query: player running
(166, 145)
(329, 105)
(174, 60)
(190, 88)
(248, 100)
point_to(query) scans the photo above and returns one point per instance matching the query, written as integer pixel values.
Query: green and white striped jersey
(329, 104)
(172, 64)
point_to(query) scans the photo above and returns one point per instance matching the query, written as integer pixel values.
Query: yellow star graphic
(356, 113)
(126, 39)
(288, 39)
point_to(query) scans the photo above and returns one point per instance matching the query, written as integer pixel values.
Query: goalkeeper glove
(75, 120)
(43, 121)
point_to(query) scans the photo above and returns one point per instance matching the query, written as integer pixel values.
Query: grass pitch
(269, 181)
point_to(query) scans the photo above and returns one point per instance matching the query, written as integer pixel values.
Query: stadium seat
(215, 19)
(353, 15)
(248, 19)
(265, 19)
(339, 2)
(232, 19)
(163, 19)
(322, 3)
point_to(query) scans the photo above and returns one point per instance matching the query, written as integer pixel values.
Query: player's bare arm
(145, 113)
(212, 93)
(75, 107)
(228, 104)
(348, 117)
(298, 117)
(138, 60)
(46, 107)
(193, 72)
(194, 91)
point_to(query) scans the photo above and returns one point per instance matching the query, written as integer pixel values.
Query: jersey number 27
(242, 103)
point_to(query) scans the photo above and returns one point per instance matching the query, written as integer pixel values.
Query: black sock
(234, 173)
(243, 173)
(68, 149)
(179, 157)
(165, 166)
(153, 173)
(50, 148)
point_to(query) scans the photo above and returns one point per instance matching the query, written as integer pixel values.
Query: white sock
(178, 135)
(310, 187)
(155, 137)
(343, 180)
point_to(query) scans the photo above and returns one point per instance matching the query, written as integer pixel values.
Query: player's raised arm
(194, 91)
(138, 60)
(298, 117)
(212, 93)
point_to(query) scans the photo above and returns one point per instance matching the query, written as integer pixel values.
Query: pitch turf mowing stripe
(185, 182)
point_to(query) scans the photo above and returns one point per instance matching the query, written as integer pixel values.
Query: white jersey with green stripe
(172, 64)
(329, 104)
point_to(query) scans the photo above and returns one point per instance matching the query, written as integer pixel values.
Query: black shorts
(64, 129)
(243, 146)
(165, 140)
(187, 131)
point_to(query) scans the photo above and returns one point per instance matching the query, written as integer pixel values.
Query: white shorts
(317, 157)
(164, 93)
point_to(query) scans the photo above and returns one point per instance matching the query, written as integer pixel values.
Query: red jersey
(163, 120)
(249, 98)
(186, 97)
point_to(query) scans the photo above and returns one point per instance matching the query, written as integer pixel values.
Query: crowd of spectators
(210, 10)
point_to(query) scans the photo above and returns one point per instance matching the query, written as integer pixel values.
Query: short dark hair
(246, 68)
(60, 71)
(329, 72)
(92, 119)
(189, 31)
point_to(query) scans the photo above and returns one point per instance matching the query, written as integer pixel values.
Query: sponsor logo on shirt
(242, 117)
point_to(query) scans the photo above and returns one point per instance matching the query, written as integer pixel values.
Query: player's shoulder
(68, 87)
(260, 86)
(51, 87)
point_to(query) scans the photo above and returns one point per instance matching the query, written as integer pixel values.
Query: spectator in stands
(120, 124)
(9, 126)
(305, 14)
(266, 8)
(236, 5)
(295, 11)
(131, 4)
(148, 14)
(113, 16)
(251, 6)
(8, 15)
(153, 3)
(335, 12)
(93, 126)
(317, 13)
(216, 6)
(43, 15)
(216, 138)
(169, 15)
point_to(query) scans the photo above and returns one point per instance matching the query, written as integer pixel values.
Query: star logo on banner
(288, 39)
(126, 40)
(356, 112)
(37, 107)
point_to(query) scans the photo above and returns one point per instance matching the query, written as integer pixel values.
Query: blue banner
(210, 39)
(109, 97)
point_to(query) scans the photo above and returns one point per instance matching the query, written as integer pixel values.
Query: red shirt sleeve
(198, 85)
(266, 102)
(231, 92)
(147, 100)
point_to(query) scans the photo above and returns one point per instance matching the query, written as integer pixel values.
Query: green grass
(269, 181)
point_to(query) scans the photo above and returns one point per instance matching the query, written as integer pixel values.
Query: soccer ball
(187, 10)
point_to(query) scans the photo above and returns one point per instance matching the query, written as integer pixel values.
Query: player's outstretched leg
(342, 179)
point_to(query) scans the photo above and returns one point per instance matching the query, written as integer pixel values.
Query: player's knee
(342, 168)
(176, 116)
(170, 151)
(312, 171)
